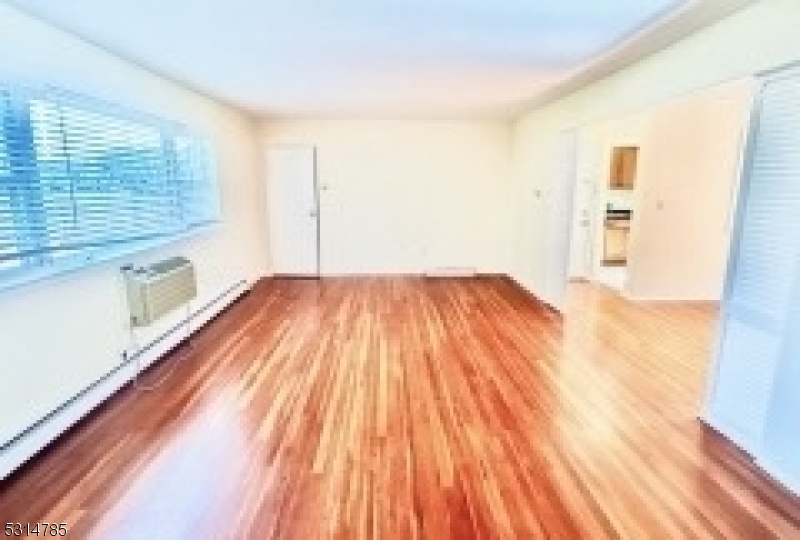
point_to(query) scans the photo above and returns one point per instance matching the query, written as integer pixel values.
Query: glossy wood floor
(411, 408)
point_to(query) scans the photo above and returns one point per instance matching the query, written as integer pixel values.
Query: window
(83, 181)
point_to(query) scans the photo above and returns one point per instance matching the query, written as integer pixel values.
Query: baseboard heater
(15, 452)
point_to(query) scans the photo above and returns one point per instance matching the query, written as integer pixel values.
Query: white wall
(689, 168)
(761, 37)
(409, 196)
(59, 335)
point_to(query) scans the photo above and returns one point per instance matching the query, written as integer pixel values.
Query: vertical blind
(82, 180)
(765, 262)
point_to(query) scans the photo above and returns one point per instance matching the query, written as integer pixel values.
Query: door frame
(317, 210)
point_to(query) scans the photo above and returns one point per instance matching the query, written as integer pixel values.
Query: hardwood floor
(412, 408)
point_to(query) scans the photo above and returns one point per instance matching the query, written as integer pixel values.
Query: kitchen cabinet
(624, 161)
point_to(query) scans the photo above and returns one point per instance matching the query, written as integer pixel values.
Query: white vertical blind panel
(768, 249)
(744, 380)
(765, 263)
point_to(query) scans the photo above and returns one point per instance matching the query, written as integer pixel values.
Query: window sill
(13, 279)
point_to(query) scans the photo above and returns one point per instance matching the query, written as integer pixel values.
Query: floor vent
(452, 272)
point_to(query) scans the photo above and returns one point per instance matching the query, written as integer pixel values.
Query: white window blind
(82, 180)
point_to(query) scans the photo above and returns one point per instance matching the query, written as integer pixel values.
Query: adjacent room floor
(413, 408)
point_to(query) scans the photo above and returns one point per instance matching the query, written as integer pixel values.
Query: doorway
(582, 243)
(656, 189)
(293, 210)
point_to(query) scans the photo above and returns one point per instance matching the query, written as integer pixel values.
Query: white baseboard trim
(519, 283)
(734, 437)
(36, 438)
(767, 466)
(780, 475)
(644, 298)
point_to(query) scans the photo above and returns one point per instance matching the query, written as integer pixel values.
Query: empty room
(400, 270)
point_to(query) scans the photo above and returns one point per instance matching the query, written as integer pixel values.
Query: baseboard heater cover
(20, 449)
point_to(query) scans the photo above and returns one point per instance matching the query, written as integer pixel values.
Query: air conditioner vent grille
(158, 289)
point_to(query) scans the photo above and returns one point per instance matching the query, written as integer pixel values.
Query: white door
(560, 218)
(293, 210)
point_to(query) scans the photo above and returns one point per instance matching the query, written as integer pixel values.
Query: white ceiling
(411, 57)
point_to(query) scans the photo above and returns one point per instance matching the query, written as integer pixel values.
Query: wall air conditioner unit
(158, 289)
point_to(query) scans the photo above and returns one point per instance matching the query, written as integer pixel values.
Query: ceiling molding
(644, 43)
